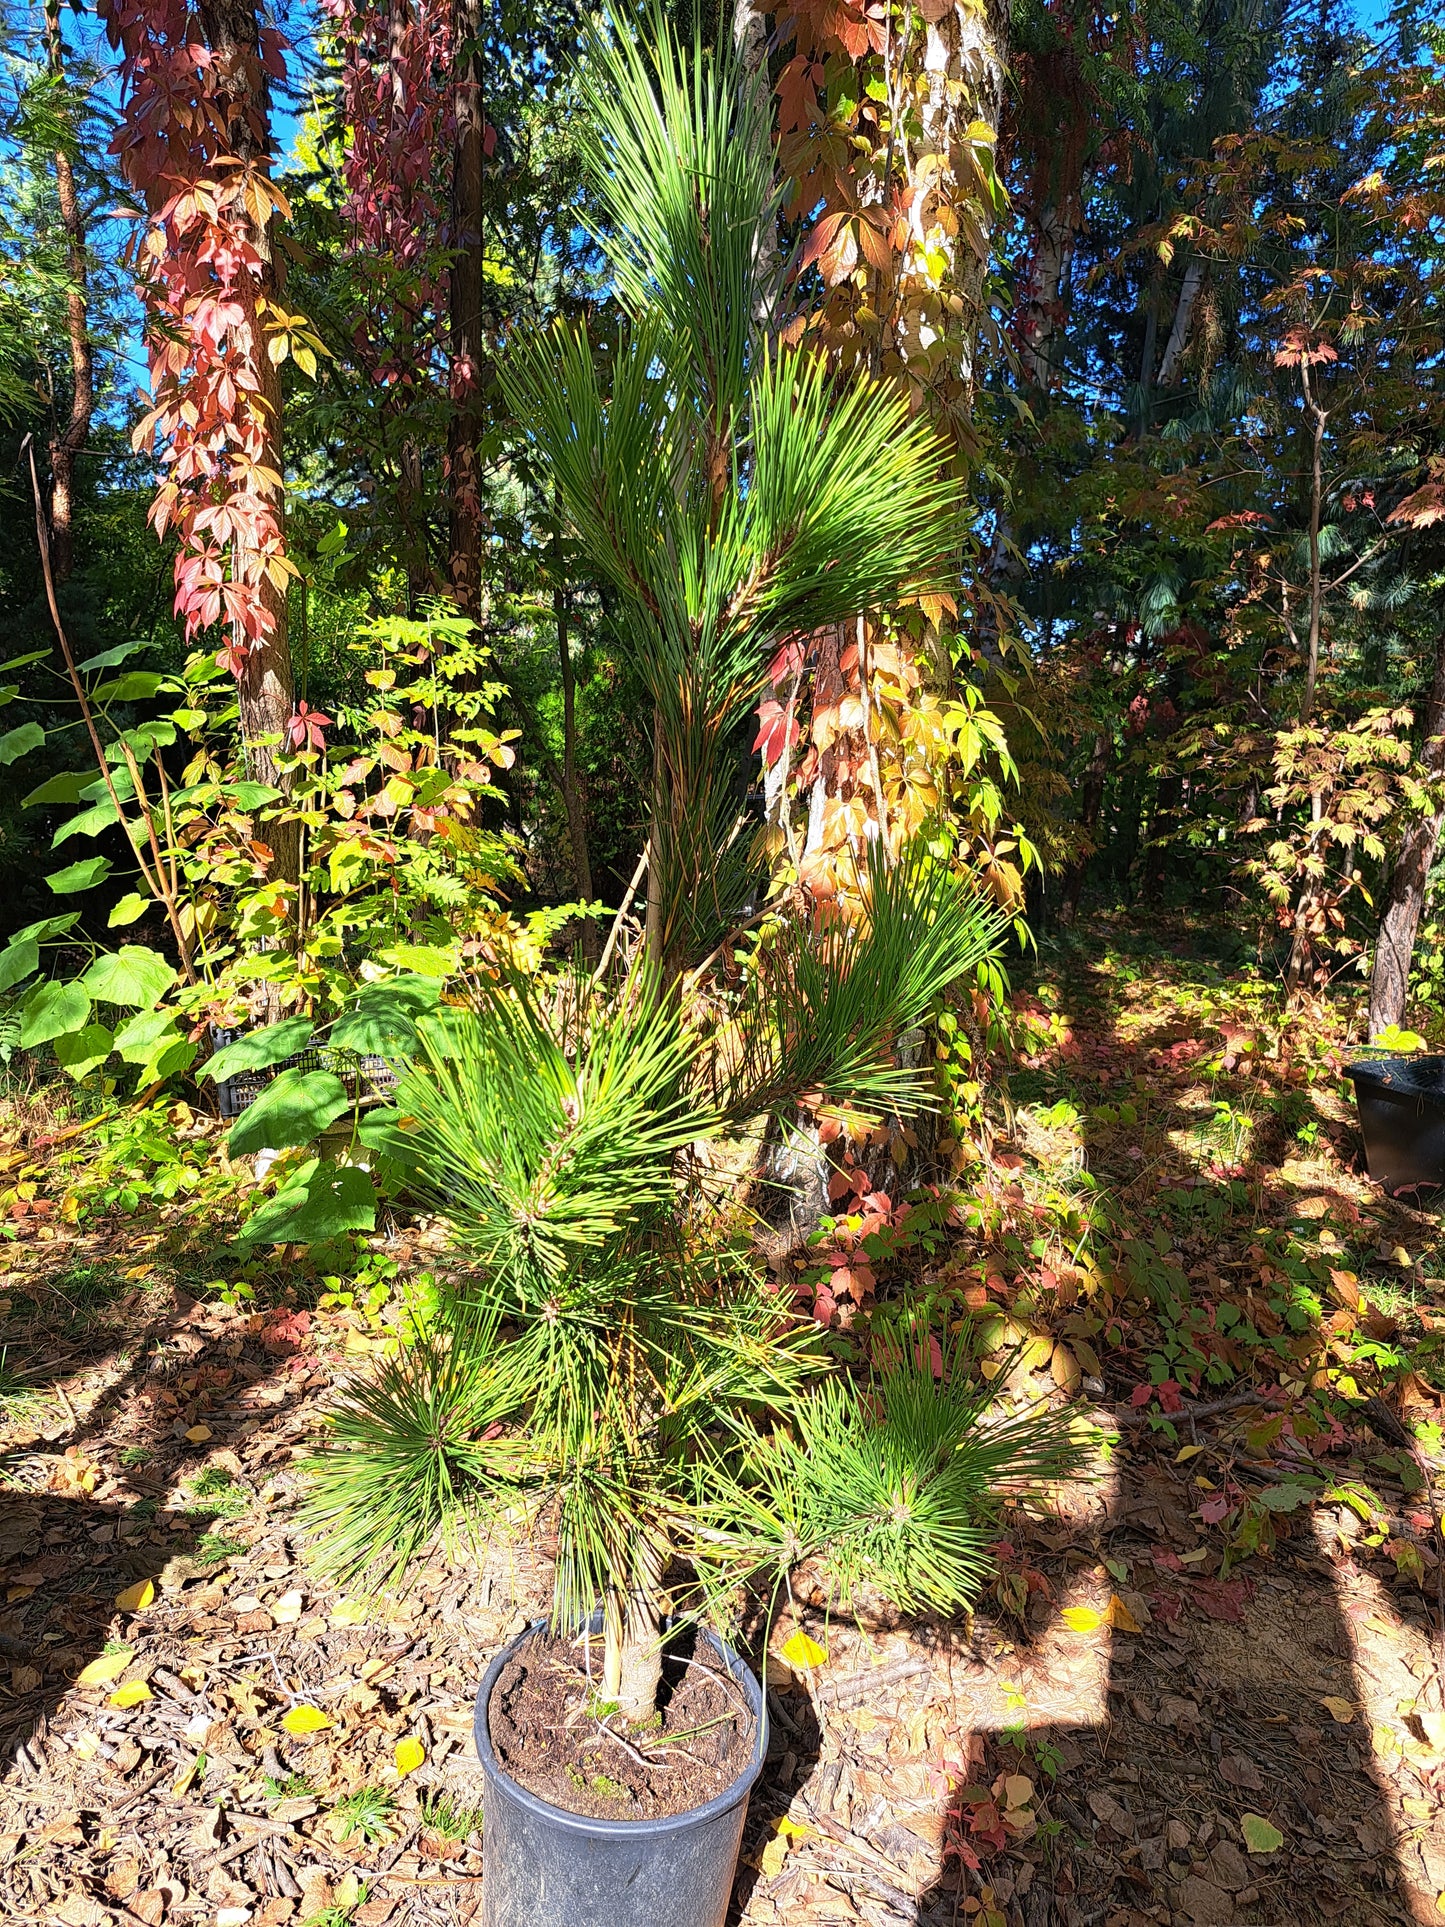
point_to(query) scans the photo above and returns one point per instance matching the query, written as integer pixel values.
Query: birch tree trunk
(1405, 897)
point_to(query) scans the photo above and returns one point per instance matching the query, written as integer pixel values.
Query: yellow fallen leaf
(198, 1434)
(305, 1719)
(1118, 1615)
(1082, 1619)
(109, 1666)
(775, 1852)
(136, 1598)
(1187, 1452)
(800, 1652)
(1338, 1709)
(1018, 1789)
(349, 1612)
(131, 1694)
(409, 1754)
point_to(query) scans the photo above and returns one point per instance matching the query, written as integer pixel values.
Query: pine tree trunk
(68, 443)
(266, 690)
(467, 518)
(1405, 897)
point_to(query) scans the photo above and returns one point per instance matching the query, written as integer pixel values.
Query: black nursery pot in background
(1402, 1116)
(545, 1867)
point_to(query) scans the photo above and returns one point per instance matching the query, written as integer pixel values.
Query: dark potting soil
(546, 1729)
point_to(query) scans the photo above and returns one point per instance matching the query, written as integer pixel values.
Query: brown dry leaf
(1118, 1615)
(1338, 1709)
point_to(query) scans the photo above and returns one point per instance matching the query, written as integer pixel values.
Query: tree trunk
(266, 688)
(964, 56)
(574, 800)
(68, 442)
(467, 517)
(1045, 305)
(1183, 321)
(1405, 897)
(1091, 798)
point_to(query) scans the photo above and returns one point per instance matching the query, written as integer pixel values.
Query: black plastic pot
(545, 1867)
(1402, 1116)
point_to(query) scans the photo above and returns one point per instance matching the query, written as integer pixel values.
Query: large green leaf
(80, 1051)
(130, 909)
(79, 876)
(139, 1038)
(320, 1201)
(293, 1110)
(251, 796)
(89, 822)
(50, 1011)
(258, 1050)
(382, 1020)
(64, 788)
(132, 976)
(16, 743)
(19, 961)
(47, 927)
(108, 658)
(134, 687)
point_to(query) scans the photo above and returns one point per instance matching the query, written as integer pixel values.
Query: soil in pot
(551, 1733)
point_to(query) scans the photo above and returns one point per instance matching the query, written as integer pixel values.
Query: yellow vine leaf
(133, 1693)
(136, 1598)
(109, 1666)
(1082, 1619)
(305, 1719)
(409, 1754)
(801, 1652)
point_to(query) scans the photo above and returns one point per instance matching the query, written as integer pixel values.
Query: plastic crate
(364, 1077)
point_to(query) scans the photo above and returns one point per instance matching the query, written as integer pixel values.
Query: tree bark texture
(1091, 799)
(68, 442)
(467, 517)
(266, 689)
(1405, 896)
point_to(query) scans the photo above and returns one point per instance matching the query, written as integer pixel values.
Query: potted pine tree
(611, 1368)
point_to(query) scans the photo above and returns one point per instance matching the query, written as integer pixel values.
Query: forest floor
(1206, 1687)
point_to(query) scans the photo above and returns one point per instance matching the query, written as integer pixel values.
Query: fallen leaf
(198, 1434)
(1018, 1789)
(136, 1598)
(1082, 1619)
(775, 1851)
(800, 1652)
(109, 1666)
(1118, 1615)
(409, 1754)
(1338, 1709)
(131, 1694)
(305, 1719)
(287, 1609)
(1259, 1835)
